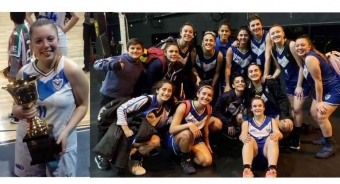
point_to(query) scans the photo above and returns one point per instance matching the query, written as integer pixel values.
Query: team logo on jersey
(327, 96)
(57, 83)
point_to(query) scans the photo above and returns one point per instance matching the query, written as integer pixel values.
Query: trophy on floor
(39, 137)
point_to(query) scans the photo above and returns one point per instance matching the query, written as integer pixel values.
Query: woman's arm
(71, 23)
(277, 66)
(80, 87)
(267, 55)
(218, 68)
(276, 129)
(229, 60)
(28, 18)
(176, 126)
(313, 67)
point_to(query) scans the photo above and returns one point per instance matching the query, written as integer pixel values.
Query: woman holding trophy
(59, 98)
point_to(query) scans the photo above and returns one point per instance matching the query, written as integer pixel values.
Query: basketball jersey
(240, 61)
(260, 133)
(59, 20)
(206, 67)
(18, 45)
(56, 101)
(156, 116)
(289, 67)
(330, 79)
(196, 118)
(258, 48)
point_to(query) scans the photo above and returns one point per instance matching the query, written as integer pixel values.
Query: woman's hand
(194, 130)
(299, 93)
(62, 139)
(320, 107)
(246, 139)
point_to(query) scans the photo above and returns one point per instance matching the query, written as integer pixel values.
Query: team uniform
(291, 73)
(240, 61)
(193, 117)
(18, 46)
(223, 49)
(156, 116)
(330, 80)
(258, 48)
(59, 19)
(260, 133)
(56, 105)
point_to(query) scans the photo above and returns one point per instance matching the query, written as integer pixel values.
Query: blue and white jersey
(207, 65)
(290, 68)
(56, 101)
(240, 61)
(330, 79)
(156, 116)
(262, 131)
(59, 19)
(196, 118)
(258, 48)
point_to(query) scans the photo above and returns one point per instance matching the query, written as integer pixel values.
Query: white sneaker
(14, 120)
(135, 167)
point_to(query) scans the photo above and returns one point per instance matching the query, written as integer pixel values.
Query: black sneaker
(13, 120)
(102, 163)
(188, 168)
(295, 144)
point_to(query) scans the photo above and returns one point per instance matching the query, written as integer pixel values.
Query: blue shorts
(260, 160)
(291, 89)
(171, 143)
(332, 98)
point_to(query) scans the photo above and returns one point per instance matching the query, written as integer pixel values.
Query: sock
(185, 156)
(272, 167)
(296, 132)
(137, 156)
(247, 166)
(329, 140)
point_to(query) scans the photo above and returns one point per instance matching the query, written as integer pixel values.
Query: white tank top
(56, 102)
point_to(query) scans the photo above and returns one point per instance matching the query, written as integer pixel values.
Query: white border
(171, 6)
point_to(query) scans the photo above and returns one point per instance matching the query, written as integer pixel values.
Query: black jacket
(116, 146)
(274, 94)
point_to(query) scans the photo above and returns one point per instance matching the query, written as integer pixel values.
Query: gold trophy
(5, 72)
(39, 137)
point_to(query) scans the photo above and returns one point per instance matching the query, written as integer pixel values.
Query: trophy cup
(39, 137)
(5, 72)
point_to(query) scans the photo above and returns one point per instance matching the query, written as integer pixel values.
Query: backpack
(188, 106)
(288, 54)
(155, 53)
(334, 60)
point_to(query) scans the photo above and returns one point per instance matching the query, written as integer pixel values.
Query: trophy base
(42, 148)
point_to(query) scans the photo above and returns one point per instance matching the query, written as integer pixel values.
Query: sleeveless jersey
(330, 79)
(258, 48)
(56, 102)
(289, 67)
(18, 45)
(59, 19)
(195, 118)
(240, 61)
(260, 133)
(206, 67)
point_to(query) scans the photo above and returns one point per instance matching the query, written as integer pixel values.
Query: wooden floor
(75, 51)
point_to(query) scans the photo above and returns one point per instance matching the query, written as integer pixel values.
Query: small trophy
(39, 137)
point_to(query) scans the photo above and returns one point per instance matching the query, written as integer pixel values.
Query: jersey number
(42, 111)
